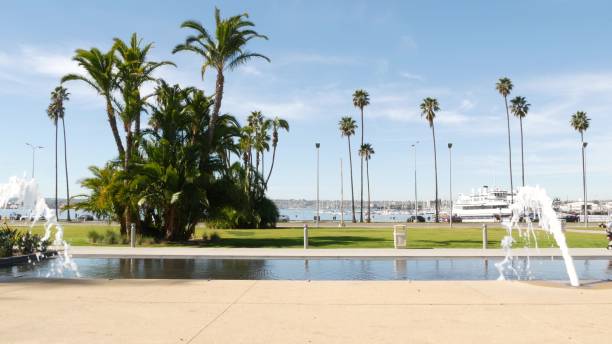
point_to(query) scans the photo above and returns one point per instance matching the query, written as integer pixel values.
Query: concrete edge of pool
(237, 253)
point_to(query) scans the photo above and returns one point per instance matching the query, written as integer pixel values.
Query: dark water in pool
(314, 269)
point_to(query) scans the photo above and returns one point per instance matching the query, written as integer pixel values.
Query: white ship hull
(483, 206)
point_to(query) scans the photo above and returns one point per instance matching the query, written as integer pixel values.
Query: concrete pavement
(196, 311)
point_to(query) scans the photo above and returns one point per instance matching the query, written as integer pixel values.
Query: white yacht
(484, 205)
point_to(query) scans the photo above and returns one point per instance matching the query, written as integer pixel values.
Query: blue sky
(557, 53)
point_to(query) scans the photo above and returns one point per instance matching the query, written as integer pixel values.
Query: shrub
(8, 238)
(94, 237)
(111, 238)
(212, 238)
(146, 240)
(30, 243)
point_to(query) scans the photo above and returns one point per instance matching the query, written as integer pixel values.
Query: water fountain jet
(25, 192)
(534, 200)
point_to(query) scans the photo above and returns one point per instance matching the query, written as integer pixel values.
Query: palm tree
(361, 99)
(580, 122)
(133, 71)
(55, 111)
(277, 123)
(347, 128)
(366, 151)
(520, 108)
(223, 51)
(62, 116)
(100, 75)
(429, 107)
(504, 87)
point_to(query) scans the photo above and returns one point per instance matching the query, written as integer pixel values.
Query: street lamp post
(416, 201)
(450, 182)
(584, 190)
(317, 145)
(34, 148)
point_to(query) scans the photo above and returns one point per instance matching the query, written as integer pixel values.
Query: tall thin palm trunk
(352, 189)
(509, 151)
(272, 163)
(56, 200)
(126, 166)
(584, 190)
(522, 152)
(217, 105)
(66, 168)
(361, 201)
(433, 133)
(368, 177)
(110, 112)
(263, 166)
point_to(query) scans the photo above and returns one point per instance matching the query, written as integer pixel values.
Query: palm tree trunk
(56, 200)
(66, 168)
(126, 164)
(509, 151)
(433, 133)
(361, 200)
(368, 177)
(256, 161)
(352, 189)
(272, 163)
(217, 106)
(584, 191)
(113, 124)
(522, 152)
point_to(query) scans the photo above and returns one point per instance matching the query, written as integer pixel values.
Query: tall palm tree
(366, 151)
(504, 87)
(520, 108)
(100, 75)
(62, 116)
(134, 70)
(361, 99)
(580, 122)
(347, 128)
(55, 111)
(277, 124)
(429, 107)
(223, 51)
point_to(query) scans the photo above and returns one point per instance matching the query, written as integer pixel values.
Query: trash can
(399, 236)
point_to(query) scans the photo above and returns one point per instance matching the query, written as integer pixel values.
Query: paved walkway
(193, 252)
(196, 311)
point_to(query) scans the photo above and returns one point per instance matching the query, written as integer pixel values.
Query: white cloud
(411, 76)
(574, 85)
(250, 70)
(409, 42)
(315, 58)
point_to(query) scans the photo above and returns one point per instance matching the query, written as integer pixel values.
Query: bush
(8, 238)
(94, 237)
(146, 240)
(30, 243)
(263, 214)
(111, 238)
(212, 238)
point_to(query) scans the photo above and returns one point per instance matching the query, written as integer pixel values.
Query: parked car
(283, 218)
(571, 218)
(419, 218)
(457, 219)
(85, 217)
(14, 216)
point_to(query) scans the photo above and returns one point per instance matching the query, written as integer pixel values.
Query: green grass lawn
(429, 237)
